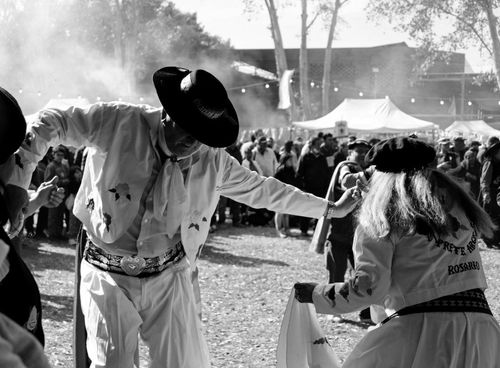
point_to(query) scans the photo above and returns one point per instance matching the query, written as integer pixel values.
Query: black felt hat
(12, 125)
(400, 154)
(198, 102)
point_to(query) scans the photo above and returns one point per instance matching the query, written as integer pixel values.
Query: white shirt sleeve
(370, 283)
(250, 188)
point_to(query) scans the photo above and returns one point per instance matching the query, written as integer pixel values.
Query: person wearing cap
(489, 187)
(459, 147)
(417, 253)
(446, 158)
(21, 331)
(152, 181)
(338, 247)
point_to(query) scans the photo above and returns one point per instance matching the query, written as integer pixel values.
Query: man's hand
(304, 291)
(49, 195)
(347, 202)
(486, 198)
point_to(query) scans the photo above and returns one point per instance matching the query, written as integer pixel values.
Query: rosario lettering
(462, 267)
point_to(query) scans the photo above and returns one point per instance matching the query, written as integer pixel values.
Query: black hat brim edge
(220, 132)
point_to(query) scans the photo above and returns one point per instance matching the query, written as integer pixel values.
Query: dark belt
(132, 265)
(465, 301)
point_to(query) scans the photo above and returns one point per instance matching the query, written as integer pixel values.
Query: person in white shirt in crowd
(417, 253)
(249, 163)
(152, 180)
(265, 157)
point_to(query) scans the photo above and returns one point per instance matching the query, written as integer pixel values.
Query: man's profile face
(358, 154)
(179, 142)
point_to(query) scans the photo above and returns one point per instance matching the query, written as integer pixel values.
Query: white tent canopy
(368, 115)
(472, 128)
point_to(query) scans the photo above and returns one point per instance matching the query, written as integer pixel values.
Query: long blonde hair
(397, 203)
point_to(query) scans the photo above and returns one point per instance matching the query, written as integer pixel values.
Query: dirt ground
(246, 275)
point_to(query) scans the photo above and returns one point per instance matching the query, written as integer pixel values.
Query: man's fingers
(54, 180)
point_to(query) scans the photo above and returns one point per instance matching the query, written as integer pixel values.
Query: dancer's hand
(304, 291)
(346, 203)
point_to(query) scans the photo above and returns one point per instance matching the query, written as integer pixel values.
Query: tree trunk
(492, 23)
(120, 52)
(327, 64)
(279, 50)
(304, 66)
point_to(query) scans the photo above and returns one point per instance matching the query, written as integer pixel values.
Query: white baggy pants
(161, 308)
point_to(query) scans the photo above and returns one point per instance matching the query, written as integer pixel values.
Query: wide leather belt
(472, 300)
(132, 265)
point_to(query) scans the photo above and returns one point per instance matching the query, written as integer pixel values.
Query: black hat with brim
(12, 125)
(400, 154)
(198, 102)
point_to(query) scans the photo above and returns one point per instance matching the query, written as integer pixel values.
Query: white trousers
(161, 308)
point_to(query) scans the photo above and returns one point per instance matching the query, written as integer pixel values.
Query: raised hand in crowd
(47, 194)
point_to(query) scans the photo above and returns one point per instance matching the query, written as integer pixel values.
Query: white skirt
(430, 340)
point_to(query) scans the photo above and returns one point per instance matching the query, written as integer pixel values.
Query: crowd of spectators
(308, 165)
(58, 223)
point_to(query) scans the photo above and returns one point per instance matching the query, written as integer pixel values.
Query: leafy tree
(252, 6)
(468, 23)
(104, 48)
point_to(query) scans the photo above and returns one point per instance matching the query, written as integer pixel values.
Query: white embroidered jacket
(122, 138)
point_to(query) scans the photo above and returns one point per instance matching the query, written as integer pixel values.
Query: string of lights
(268, 84)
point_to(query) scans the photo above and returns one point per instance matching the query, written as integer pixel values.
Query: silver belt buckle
(132, 265)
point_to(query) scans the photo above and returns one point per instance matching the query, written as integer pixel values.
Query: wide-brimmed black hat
(198, 102)
(400, 154)
(12, 125)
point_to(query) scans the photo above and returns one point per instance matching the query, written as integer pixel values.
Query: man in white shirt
(152, 181)
(265, 157)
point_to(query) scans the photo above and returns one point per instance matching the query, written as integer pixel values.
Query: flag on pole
(284, 90)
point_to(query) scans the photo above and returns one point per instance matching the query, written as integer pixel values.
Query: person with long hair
(416, 253)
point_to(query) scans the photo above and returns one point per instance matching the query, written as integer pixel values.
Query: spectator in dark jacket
(312, 176)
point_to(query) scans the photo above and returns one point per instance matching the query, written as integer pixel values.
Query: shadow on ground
(214, 254)
(42, 256)
(57, 307)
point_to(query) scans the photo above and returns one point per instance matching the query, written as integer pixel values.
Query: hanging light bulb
(243, 90)
(267, 85)
(141, 99)
(312, 84)
(119, 98)
(386, 97)
(469, 103)
(98, 98)
(441, 102)
(335, 89)
(412, 100)
(39, 93)
(360, 94)
(20, 91)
